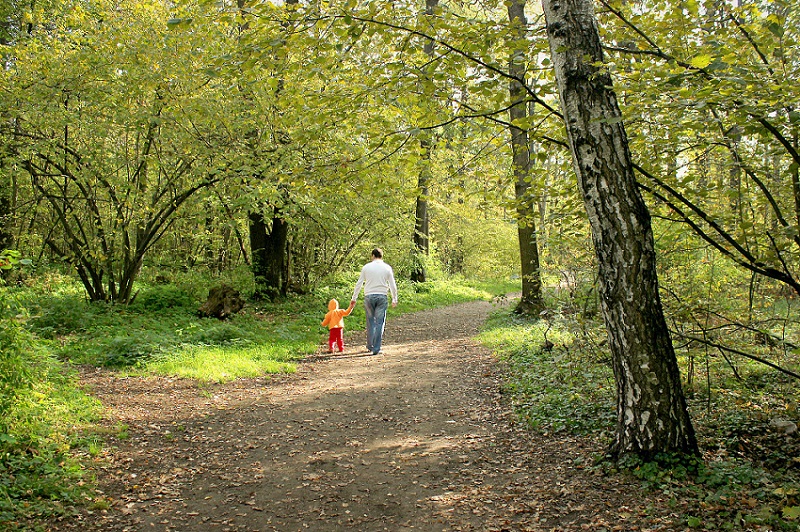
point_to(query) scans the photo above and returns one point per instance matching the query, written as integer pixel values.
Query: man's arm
(392, 287)
(359, 283)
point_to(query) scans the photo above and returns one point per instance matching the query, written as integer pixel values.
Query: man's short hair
(377, 253)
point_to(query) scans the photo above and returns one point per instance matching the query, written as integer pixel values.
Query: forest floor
(419, 437)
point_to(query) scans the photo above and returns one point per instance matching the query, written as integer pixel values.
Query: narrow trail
(418, 438)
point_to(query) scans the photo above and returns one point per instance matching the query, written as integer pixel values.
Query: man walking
(377, 277)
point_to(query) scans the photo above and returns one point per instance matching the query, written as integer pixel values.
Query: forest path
(418, 438)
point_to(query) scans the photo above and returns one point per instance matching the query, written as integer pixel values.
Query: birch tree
(651, 409)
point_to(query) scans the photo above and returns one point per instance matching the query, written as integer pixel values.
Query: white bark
(651, 409)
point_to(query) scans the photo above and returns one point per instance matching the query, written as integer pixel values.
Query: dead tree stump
(223, 301)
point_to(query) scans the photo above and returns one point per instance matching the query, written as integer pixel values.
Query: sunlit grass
(222, 364)
(273, 338)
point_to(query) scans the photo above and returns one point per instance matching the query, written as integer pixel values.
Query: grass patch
(160, 332)
(221, 364)
(558, 387)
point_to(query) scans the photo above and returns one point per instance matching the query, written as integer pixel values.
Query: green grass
(220, 364)
(161, 334)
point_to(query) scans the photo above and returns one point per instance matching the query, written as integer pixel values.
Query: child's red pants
(335, 337)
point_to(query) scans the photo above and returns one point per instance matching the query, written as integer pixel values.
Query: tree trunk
(531, 301)
(651, 408)
(6, 236)
(422, 220)
(422, 216)
(268, 255)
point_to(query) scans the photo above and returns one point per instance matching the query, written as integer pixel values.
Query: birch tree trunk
(531, 301)
(651, 408)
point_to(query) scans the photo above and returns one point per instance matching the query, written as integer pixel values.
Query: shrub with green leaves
(129, 350)
(66, 314)
(20, 364)
(39, 406)
(161, 297)
(212, 332)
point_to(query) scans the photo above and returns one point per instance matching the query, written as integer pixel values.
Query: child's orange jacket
(334, 319)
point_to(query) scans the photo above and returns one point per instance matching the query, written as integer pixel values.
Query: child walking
(334, 319)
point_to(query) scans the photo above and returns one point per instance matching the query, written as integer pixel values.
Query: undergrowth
(43, 417)
(559, 379)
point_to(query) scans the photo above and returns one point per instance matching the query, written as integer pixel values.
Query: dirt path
(418, 438)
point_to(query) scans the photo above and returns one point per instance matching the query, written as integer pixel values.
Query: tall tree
(269, 254)
(268, 227)
(651, 409)
(531, 301)
(421, 213)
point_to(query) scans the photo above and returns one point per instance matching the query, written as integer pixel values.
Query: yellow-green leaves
(701, 61)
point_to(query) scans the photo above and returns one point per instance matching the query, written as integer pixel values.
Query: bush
(16, 370)
(123, 351)
(21, 359)
(219, 333)
(39, 407)
(64, 315)
(158, 298)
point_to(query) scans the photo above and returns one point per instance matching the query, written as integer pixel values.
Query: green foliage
(719, 494)
(131, 350)
(67, 314)
(22, 361)
(708, 121)
(37, 483)
(161, 332)
(162, 297)
(219, 333)
(566, 387)
(474, 242)
(9, 258)
(40, 408)
(747, 476)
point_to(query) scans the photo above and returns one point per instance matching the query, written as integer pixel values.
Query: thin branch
(444, 44)
(738, 352)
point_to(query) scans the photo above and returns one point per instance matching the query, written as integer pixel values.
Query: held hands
(353, 304)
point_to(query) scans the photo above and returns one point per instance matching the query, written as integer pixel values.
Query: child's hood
(333, 304)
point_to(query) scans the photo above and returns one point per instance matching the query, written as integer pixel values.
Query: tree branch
(737, 352)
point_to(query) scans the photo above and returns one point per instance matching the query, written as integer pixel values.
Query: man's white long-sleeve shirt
(377, 277)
